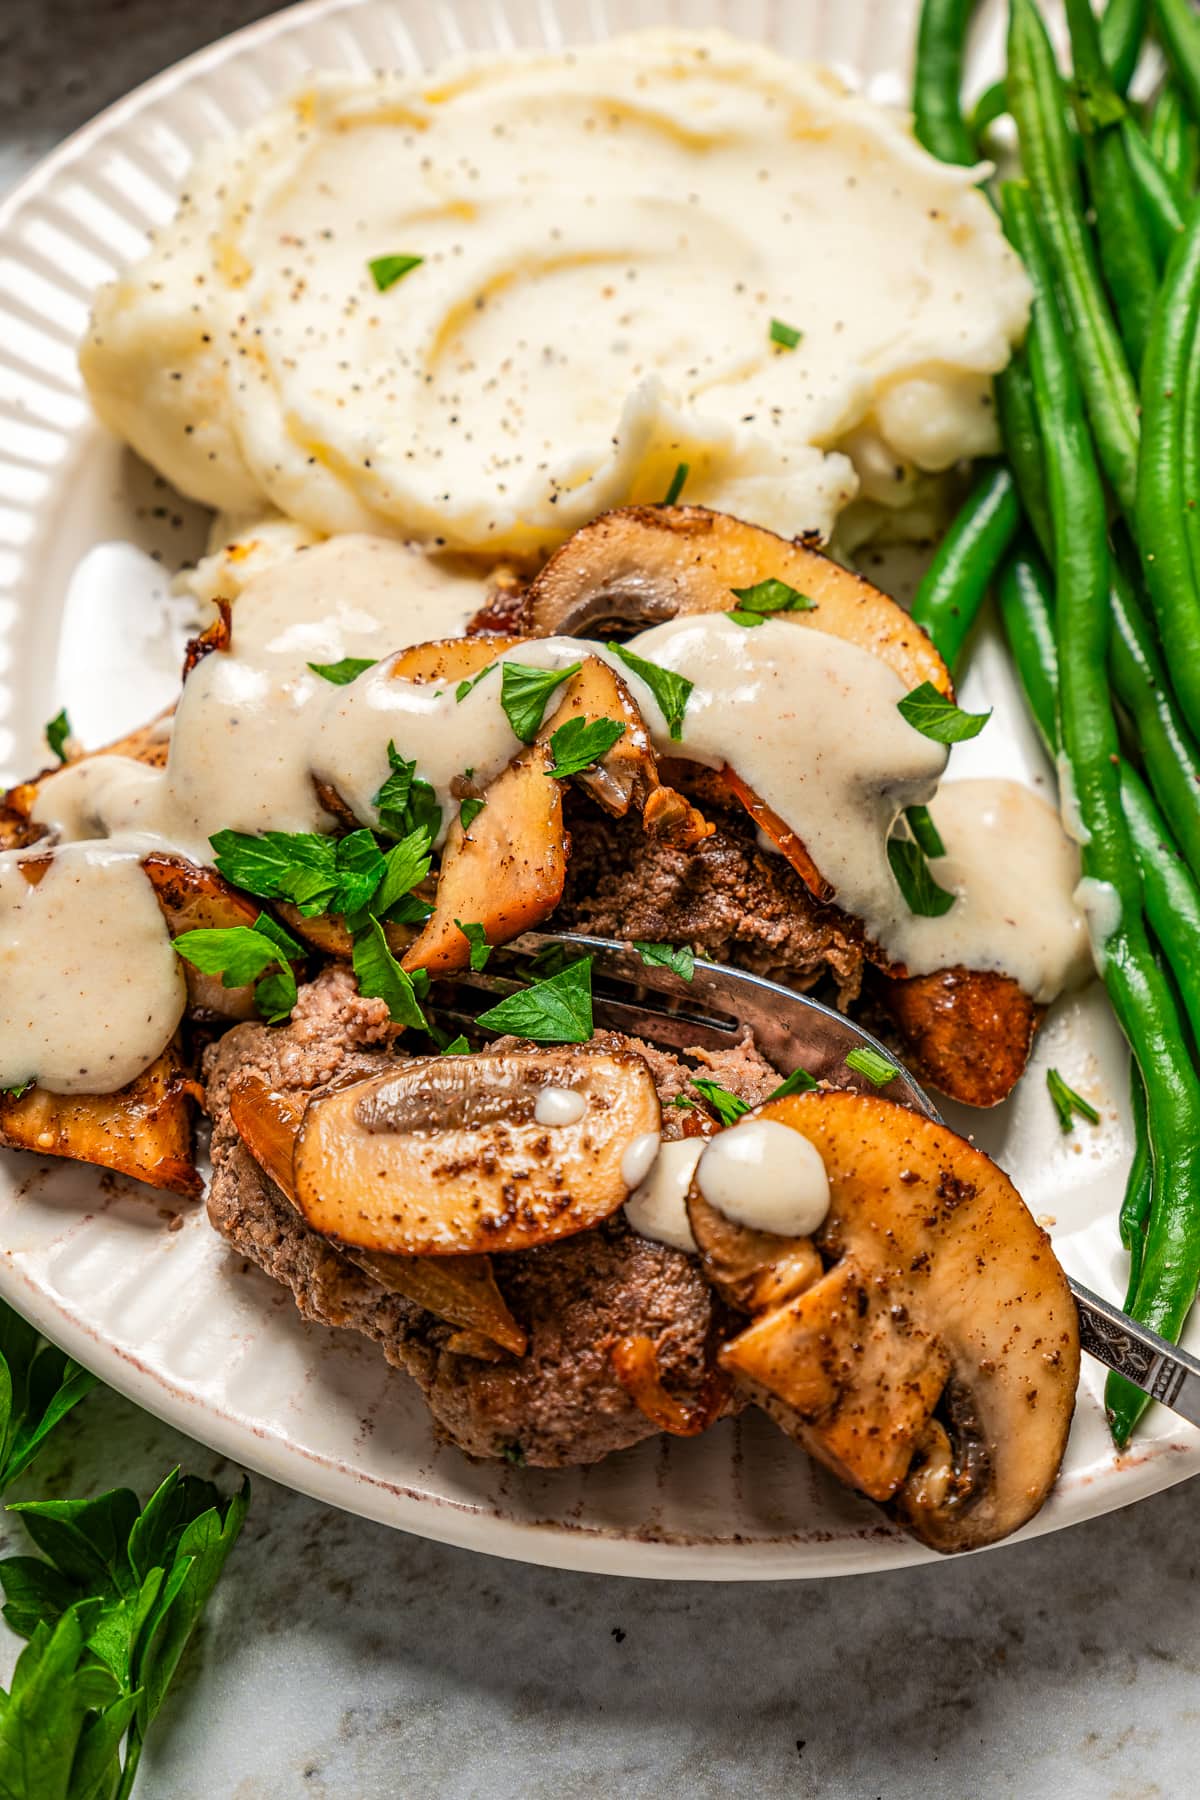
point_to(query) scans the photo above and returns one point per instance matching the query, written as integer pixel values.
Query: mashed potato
(667, 248)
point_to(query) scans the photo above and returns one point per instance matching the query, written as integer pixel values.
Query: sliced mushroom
(143, 1130)
(447, 1157)
(967, 1032)
(934, 1364)
(642, 564)
(329, 934)
(505, 871)
(194, 899)
(450, 659)
(751, 1270)
(459, 1289)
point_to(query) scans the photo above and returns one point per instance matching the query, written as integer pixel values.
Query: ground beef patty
(559, 1403)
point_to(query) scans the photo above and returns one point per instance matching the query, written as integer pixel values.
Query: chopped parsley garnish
(770, 596)
(1067, 1102)
(241, 954)
(922, 894)
(555, 1011)
(57, 733)
(682, 471)
(524, 693)
(21, 1088)
(551, 959)
(476, 936)
(405, 866)
(341, 673)
(798, 1082)
(877, 1068)
(513, 1453)
(670, 691)
(471, 681)
(920, 823)
(360, 866)
(678, 957)
(324, 874)
(380, 976)
(786, 336)
(684, 1102)
(935, 717)
(728, 1108)
(405, 803)
(386, 271)
(580, 743)
(470, 810)
(457, 1047)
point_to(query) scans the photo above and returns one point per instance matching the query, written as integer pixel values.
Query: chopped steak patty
(728, 899)
(559, 1403)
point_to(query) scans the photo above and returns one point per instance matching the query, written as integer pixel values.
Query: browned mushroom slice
(627, 775)
(450, 659)
(329, 934)
(967, 1032)
(143, 1130)
(934, 1365)
(459, 1289)
(194, 899)
(448, 1156)
(642, 564)
(751, 1270)
(505, 871)
(149, 744)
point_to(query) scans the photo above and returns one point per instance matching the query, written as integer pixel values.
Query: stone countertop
(343, 1661)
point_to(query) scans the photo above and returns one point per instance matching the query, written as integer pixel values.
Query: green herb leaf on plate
(524, 692)
(798, 1082)
(476, 936)
(935, 717)
(57, 733)
(786, 336)
(239, 954)
(680, 958)
(877, 1068)
(471, 681)
(926, 833)
(470, 810)
(580, 743)
(1067, 1103)
(342, 673)
(670, 691)
(380, 977)
(457, 1047)
(728, 1107)
(922, 893)
(386, 271)
(765, 597)
(555, 1011)
(405, 803)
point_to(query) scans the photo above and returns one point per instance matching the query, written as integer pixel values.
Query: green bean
(1140, 992)
(1023, 447)
(1126, 251)
(1171, 140)
(948, 600)
(1035, 94)
(1162, 521)
(1179, 29)
(1122, 28)
(1135, 1208)
(1160, 208)
(1023, 593)
(937, 81)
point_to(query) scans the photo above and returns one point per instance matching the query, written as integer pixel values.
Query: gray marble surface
(342, 1661)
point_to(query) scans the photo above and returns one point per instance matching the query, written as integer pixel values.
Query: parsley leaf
(386, 271)
(405, 865)
(39, 1385)
(341, 673)
(679, 957)
(457, 1047)
(405, 802)
(580, 743)
(19, 1089)
(470, 810)
(524, 693)
(380, 977)
(108, 1614)
(239, 954)
(476, 936)
(682, 471)
(728, 1108)
(684, 1102)
(877, 1068)
(935, 717)
(275, 996)
(798, 1082)
(471, 681)
(299, 866)
(1067, 1102)
(922, 894)
(920, 823)
(551, 959)
(770, 596)
(57, 733)
(555, 1011)
(786, 336)
(360, 868)
(670, 691)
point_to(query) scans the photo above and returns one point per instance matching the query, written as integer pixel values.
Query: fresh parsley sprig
(935, 717)
(342, 673)
(524, 692)
(108, 1614)
(680, 958)
(922, 894)
(405, 803)
(580, 744)
(798, 1082)
(476, 936)
(671, 691)
(39, 1384)
(386, 271)
(765, 597)
(555, 1011)
(728, 1107)
(57, 733)
(241, 954)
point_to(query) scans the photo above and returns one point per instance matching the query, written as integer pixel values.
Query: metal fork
(793, 1031)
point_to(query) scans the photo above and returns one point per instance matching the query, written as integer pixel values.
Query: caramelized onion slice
(781, 835)
(934, 1364)
(635, 1365)
(446, 1157)
(459, 1289)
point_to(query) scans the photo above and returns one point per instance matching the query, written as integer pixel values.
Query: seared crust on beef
(726, 898)
(558, 1404)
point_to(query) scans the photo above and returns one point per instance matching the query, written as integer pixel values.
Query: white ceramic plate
(142, 1291)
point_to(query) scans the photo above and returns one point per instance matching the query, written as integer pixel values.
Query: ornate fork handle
(1159, 1368)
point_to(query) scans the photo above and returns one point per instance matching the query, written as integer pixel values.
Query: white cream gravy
(766, 1176)
(808, 720)
(656, 1209)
